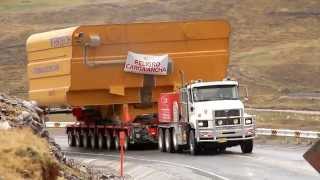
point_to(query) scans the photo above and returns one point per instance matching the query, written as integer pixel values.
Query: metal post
(122, 141)
(121, 163)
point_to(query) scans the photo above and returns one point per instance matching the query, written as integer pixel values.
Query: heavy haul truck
(112, 76)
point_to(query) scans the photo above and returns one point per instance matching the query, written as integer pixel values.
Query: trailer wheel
(93, 141)
(176, 146)
(247, 146)
(101, 141)
(78, 139)
(108, 141)
(85, 140)
(126, 143)
(168, 141)
(161, 144)
(193, 143)
(71, 139)
(116, 142)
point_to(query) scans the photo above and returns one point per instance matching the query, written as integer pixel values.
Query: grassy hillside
(275, 44)
(25, 156)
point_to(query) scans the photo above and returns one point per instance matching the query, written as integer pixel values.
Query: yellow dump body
(59, 75)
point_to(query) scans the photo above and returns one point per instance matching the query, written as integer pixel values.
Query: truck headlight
(203, 123)
(248, 121)
(220, 122)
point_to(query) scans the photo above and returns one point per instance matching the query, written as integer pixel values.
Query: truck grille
(227, 113)
(227, 122)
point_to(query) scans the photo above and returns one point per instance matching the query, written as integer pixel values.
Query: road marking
(154, 161)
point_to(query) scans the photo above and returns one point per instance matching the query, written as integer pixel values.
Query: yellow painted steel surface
(58, 75)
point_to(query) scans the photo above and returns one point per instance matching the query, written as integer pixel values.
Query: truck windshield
(215, 92)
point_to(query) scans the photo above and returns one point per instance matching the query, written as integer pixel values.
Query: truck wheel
(78, 139)
(71, 139)
(161, 145)
(108, 141)
(117, 142)
(222, 149)
(92, 141)
(101, 141)
(176, 146)
(168, 141)
(85, 140)
(193, 143)
(247, 146)
(126, 142)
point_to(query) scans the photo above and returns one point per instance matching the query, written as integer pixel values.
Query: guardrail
(288, 133)
(57, 124)
(259, 131)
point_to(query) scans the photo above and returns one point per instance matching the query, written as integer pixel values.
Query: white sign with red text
(147, 64)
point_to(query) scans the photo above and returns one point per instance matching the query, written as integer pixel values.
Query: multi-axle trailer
(112, 76)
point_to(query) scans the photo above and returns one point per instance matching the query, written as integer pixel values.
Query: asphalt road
(267, 162)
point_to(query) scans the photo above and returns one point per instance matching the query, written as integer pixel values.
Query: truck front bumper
(224, 134)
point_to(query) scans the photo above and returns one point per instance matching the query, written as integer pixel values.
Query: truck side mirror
(243, 91)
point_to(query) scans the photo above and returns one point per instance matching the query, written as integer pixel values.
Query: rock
(4, 125)
(13, 102)
(35, 117)
(24, 116)
(28, 105)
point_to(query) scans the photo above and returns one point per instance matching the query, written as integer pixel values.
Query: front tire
(168, 141)
(247, 146)
(161, 144)
(193, 143)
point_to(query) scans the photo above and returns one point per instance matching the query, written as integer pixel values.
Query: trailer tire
(93, 140)
(247, 146)
(176, 146)
(108, 141)
(78, 139)
(126, 142)
(101, 141)
(85, 140)
(168, 141)
(116, 142)
(71, 139)
(161, 143)
(193, 143)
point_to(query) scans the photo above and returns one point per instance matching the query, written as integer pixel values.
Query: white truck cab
(210, 115)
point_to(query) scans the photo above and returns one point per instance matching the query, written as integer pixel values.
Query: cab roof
(213, 83)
